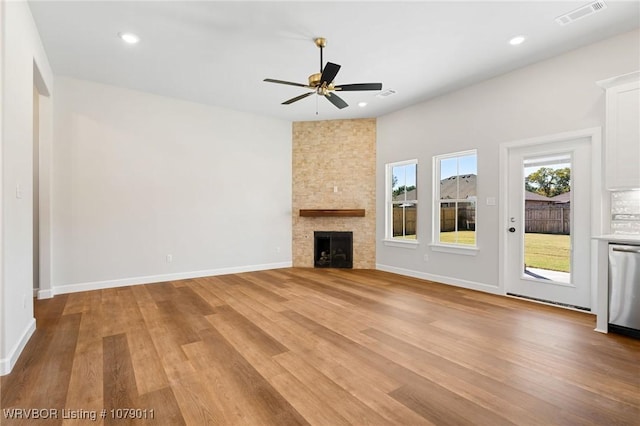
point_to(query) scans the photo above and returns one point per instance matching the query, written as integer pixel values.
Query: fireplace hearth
(333, 249)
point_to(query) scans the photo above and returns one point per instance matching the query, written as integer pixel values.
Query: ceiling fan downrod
(321, 42)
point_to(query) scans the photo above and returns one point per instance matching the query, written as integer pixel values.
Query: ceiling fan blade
(297, 98)
(329, 73)
(289, 83)
(359, 86)
(336, 100)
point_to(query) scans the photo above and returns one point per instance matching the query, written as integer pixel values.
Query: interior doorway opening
(36, 190)
(42, 121)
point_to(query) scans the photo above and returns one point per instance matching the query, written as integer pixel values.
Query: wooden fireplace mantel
(332, 212)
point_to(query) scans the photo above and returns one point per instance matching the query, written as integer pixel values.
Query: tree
(402, 189)
(564, 180)
(549, 182)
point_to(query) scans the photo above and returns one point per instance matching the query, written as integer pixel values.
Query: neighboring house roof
(449, 187)
(465, 184)
(532, 196)
(562, 198)
(411, 195)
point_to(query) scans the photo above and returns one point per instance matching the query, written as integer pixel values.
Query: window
(456, 199)
(402, 200)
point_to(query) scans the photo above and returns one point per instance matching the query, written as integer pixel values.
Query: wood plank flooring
(324, 347)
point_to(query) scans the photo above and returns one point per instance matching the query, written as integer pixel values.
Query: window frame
(436, 244)
(389, 203)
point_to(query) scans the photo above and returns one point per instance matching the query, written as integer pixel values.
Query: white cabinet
(622, 137)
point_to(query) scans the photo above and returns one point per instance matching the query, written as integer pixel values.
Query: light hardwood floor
(325, 347)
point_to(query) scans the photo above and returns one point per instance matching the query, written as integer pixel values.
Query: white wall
(21, 52)
(138, 176)
(549, 97)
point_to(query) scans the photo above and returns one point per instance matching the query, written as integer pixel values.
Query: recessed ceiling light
(362, 104)
(516, 40)
(129, 38)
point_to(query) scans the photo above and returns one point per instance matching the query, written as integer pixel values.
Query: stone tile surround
(326, 155)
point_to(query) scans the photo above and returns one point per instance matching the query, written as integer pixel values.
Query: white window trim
(408, 244)
(455, 248)
(388, 219)
(436, 245)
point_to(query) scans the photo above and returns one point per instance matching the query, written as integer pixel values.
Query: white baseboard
(99, 285)
(7, 364)
(472, 285)
(45, 294)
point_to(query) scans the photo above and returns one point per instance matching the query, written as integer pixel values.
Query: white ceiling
(218, 53)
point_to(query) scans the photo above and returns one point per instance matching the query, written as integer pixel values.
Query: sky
(529, 170)
(406, 175)
(467, 165)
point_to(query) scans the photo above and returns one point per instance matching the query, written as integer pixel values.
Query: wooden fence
(545, 219)
(410, 221)
(551, 219)
(466, 218)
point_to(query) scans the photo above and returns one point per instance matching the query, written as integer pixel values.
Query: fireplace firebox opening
(333, 249)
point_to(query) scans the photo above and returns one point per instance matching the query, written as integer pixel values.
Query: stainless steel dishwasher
(624, 289)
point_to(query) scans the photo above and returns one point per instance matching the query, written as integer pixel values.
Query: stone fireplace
(334, 165)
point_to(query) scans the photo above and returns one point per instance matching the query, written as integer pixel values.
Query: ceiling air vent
(386, 93)
(581, 12)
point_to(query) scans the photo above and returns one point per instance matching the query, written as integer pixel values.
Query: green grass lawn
(547, 251)
(405, 237)
(464, 237)
(544, 251)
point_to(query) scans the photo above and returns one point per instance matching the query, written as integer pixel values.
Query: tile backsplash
(625, 212)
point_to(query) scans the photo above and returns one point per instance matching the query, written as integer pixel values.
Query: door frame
(599, 201)
(45, 159)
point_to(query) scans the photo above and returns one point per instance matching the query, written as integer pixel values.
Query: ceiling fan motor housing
(314, 79)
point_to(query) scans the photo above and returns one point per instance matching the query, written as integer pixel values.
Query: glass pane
(404, 221)
(458, 182)
(448, 223)
(412, 181)
(458, 223)
(398, 182)
(467, 223)
(468, 165)
(448, 167)
(404, 182)
(448, 178)
(547, 213)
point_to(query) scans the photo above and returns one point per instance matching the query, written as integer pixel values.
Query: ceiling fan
(322, 82)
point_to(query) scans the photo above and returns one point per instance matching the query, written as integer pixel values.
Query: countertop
(616, 238)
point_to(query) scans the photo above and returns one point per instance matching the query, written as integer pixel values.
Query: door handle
(512, 229)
